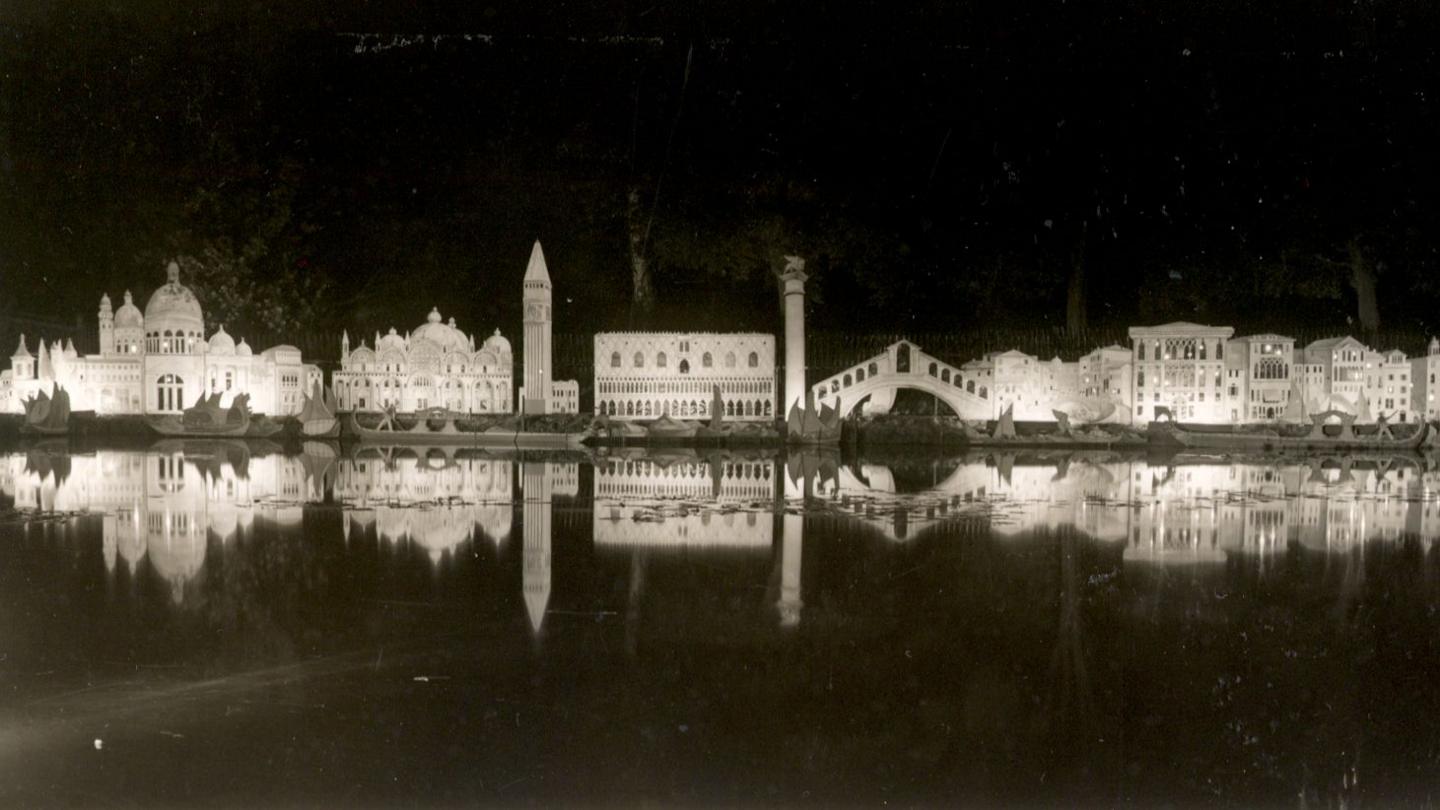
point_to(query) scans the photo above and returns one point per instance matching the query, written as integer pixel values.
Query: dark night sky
(946, 162)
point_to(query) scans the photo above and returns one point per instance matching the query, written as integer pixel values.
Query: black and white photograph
(719, 403)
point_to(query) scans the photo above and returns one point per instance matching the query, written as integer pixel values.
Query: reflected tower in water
(541, 482)
(536, 490)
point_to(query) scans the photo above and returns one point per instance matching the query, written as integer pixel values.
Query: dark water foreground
(201, 625)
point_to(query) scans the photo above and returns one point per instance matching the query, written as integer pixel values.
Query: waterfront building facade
(645, 375)
(1104, 379)
(1335, 377)
(1180, 367)
(1258, 379)
(1424, 404)
(159, 362)
(1387, 385)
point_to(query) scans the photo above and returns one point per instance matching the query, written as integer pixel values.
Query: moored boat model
(809, 427)
(47, 415)
(1317, 437)
(668, 428)
(207, 419)
(1065, 434)
(425, 431)
(717, 429)
(317, 415)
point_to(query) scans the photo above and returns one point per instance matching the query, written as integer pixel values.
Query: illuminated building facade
(1180, 366)
(159, 362)
(645, 375)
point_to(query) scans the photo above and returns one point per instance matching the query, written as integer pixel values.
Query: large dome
(173, 307)
(447, 336)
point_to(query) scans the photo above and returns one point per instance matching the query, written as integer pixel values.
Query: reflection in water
(431, 500)
(164, 504)
(950, 618)
(684, 501)
(1174, 511)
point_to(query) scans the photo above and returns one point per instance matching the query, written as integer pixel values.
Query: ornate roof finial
(128, 299)
(434, 316)
(172, 272)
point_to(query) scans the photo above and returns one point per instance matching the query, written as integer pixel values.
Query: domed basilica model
(435, 366)
(159, 362)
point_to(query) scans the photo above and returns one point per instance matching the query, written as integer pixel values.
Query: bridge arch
(905, 365)
(966, 406)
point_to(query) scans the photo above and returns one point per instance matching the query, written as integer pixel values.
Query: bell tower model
(537, 347)
(107, 326)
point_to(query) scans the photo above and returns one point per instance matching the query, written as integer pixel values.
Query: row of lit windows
(706, 361)
(682, 408)
(728, 469)
(168, 342)
(1180, 349)
(1177, 378)
(752, 386)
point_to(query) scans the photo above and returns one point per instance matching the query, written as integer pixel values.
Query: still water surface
(210, 624)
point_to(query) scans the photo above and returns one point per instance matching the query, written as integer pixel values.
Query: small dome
(498, 343)
(243, 350)
(173, 306)
(447, 337)
(128, 315)
(390, 341)
(221, 342)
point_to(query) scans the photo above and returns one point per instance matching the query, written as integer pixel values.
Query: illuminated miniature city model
(159, 362)
(1181, 371)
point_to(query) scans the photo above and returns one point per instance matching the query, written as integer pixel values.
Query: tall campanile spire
(537, 347)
